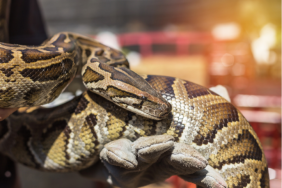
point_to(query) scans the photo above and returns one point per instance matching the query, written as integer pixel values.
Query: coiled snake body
(69, 137)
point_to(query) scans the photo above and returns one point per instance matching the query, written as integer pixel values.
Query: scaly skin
(70, 137)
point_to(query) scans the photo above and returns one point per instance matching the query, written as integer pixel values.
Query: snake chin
(155, 113)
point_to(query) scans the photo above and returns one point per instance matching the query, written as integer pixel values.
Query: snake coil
(69, 137)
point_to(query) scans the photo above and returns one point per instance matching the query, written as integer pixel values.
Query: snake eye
(143, 98)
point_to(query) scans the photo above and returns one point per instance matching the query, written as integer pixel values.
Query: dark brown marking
(67, 132)
(51, 49)
(116, 55)
(6, 96)
(67, 47)
(120, 64)
(8, 80)
(162, 84)
(122, 131)
(128, 71)
(93, 60)
(32, 95)
(82, 105)
(107, 68)
(56, 91)
(253, 151)
(8, 72)
(87, 42)
(87, 52)
(91, 121)
(264, 180)
(91, 76)
(138, 106)
(225, 113)
(137, 135)
(179, 127)
(52, 72)
(71, 36)
(52, 133)
(5, 55)
(153, 126)
(33, 55)
(115, 92)
(60, 39)
(103, 59)
(99, 52)
(7, 91)
(3, 128)
(57, 127)
(195, 90)
(243, 182)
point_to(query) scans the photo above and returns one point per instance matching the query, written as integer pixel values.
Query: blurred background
(235, 43)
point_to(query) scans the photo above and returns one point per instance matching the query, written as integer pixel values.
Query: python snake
(69, 137)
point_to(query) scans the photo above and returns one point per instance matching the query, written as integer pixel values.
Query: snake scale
(69, 137)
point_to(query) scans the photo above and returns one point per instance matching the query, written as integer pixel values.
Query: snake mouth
(164, 114)
(166, 110)
(160, 116)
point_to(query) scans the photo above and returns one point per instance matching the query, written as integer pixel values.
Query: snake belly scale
(69, 137)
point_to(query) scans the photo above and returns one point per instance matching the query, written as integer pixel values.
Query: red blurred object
(190, 185)
(180, 183)
(175, 181)
(169, 43)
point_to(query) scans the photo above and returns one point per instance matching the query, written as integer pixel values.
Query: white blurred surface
(109, 39)
(226, 31)
(222, 91)
(63, 98)
(261, 46)
(133, 58)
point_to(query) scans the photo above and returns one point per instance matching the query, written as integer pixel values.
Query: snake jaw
(143, 107)
(154, 110)
(163, 113)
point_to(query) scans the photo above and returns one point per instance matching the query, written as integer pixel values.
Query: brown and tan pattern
(69, 137)
(35, 75)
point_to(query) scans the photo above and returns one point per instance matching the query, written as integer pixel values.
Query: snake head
(125, 88)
